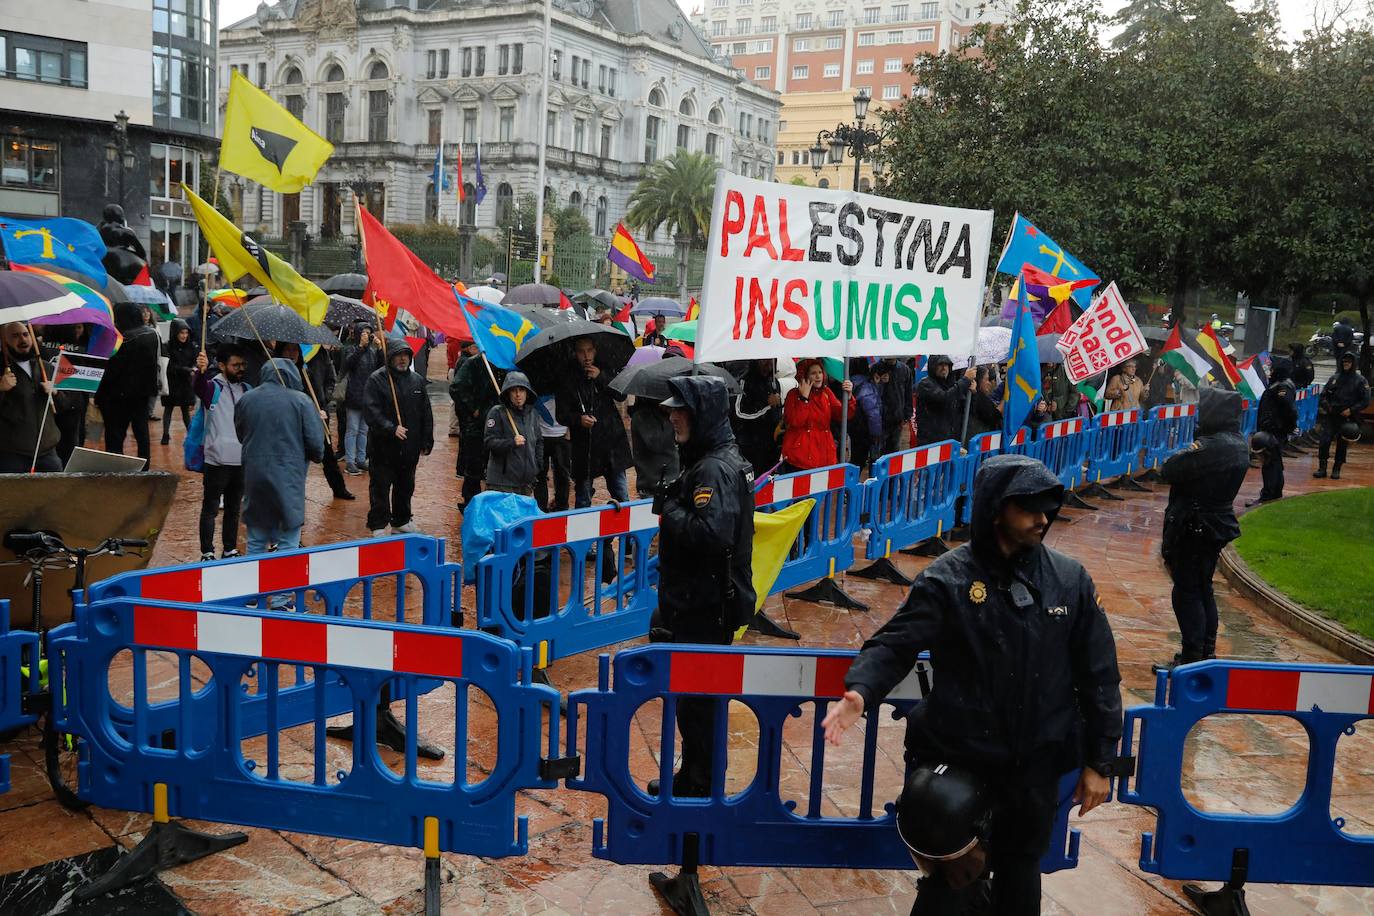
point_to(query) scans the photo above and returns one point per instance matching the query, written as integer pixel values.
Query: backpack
(193, 449)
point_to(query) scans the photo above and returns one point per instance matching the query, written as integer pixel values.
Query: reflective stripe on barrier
(607, 606)
(1303, 845)
(911, 497)
(1114, 449)
(758, 825)
(285, 782)
(1062, 446)
(826, 542)
(1171, 428)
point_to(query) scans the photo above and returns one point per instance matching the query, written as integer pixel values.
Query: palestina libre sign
(798, 271)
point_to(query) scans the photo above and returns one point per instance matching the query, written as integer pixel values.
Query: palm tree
(676, 192)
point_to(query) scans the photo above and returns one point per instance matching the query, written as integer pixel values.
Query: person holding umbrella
(587, 406)
(361, 359)
(130, 381)
(28, 425)
(400, 426)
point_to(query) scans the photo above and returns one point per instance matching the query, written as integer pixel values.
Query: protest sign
(798, 271)
(1104, 335)
(78, 372)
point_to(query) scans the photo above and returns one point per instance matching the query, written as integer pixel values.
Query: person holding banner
(28, 422)
(809, 412)
(940, 400)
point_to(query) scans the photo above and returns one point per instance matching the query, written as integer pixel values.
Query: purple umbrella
(645, 355)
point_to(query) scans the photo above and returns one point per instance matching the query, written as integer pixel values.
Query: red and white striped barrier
(1177, 411)
(917, 458)
(586, 525)
(1061, 428)
(775, 675)
(993, 441)
(795, 486)
(1300, 691)
(219, 581)
(1117, 418)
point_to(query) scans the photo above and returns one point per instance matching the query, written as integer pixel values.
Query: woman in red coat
(808, 413)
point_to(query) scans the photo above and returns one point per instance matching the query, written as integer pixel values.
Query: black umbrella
(345, 310)
(546, 356)
(255, 292)
(1155, 334)
(1048, 352)
(650, 380)
(533, 294)
(605, 297)
(271, 322)
(346, 284)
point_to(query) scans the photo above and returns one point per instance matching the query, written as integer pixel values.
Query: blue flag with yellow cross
(498, 332)
(1023, 369)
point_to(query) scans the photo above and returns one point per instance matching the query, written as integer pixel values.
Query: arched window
(601, 216)
(687, 109)
(334, 74)
(865, 185)
(504, 203)
(293, 77)
(575, 200)
(716, 116)
(468, 210)
(653, 125)
(824, 183)
(378, 71)
(656, 97)
(549, 198)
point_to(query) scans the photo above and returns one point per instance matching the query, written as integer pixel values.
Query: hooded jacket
(131, 372)
(1205, 477)
(181, 362)
(939, 404)
(604, 448)
(756, 423)
(1022, 693)
(1303, 370)
(281, 434)
(653, 445)
(509, 466)
(807, 441)
(379, 411)
(1346, 390)
(1278, 406)
(358, 365)
(706, 531)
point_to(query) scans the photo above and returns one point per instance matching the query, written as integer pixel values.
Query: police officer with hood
(940, 401)
(1343, 397)
(1026, 684)
(1277, 418)
(400, 428)
(1199, 521)
(706, 544)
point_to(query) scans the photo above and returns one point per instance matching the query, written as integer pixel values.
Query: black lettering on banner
(962, 253)
(819, 230)
(880, 219)
(907, 222)
(851, 212)
(932, 252)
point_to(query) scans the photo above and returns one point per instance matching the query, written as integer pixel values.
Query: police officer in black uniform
(706, 543)
(1278, 416)
(1026, 684)
(1343, 397)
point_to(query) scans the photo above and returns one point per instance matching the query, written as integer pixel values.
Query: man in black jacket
(130, 380)
(940, 401)
(26, 406)
(706, 545)
(1303, 370)
(400, 428)
(1199, 521)
(1343, 397)
(598, 443)
(1026, 685)
(1278, 416)
(758, 412)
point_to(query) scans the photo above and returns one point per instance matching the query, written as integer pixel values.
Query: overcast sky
(1296, 14)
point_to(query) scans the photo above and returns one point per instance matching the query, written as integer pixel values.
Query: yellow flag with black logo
(238, 254)
(266, 143)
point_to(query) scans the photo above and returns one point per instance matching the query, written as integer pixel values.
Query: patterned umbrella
(25, 296)
(345, 310)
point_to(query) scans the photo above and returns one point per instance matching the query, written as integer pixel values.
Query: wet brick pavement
(1235, 764)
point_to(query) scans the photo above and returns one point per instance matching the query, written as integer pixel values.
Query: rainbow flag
(626, 255)
(96, 312)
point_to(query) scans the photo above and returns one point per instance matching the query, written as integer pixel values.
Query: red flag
(397, 279)
(624, 313)
(1057, 321)
(144, 278)
(563, 301)
(415, 343)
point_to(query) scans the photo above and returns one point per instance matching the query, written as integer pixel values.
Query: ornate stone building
(386, 82)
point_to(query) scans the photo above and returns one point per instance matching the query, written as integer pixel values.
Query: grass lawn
(1319, 550)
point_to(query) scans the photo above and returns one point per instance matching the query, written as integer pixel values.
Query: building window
(831, 70)
(930, 10)
(610, 87)
(505, 123)
(713, 145)
(892, 65)
(656, 97)
(652, 125)
(378, 114)
(762, 73)
(835, 18)
(871, 14)
(432, 64)
(378, 71)
(579, 135)
(803, 20)
(262, 74)
(763, 46)
(900, 12)
(739, 47)
(29, 163)
(867, 38)
(897, 37)
(586, 73)
(467, 62)
(865, 185)
(481, 68)
(182, 81)
(834, 43)
(864, 66)
(435, 118)
(551, 128)
(718, 27)
(334, 74)
(517, 63)
(801, 44)
(891, 93)
(823, 183)
(574, 69)
(334, 117)
(800, 73)
(795, 158)
(768, 24)
(601, 215)
(925, 34)
(605, 141)
(469, 125)
(504, 199)
(555, 65)
(684, 137)
(744, 26)
(575, 201)
(293, 77)
(295, 104)
(601, 78)
(502, 60)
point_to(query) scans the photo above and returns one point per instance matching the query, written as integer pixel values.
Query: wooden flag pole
(492, 375)
(381, 332)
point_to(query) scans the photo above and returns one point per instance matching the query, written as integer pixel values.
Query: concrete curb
(1322, 630)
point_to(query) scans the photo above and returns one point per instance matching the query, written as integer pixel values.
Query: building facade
(630, 81)
(806, 114)
(68, 69)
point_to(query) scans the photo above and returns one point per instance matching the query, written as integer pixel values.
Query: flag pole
(47, 409)
(492, 375)
(381, 332)
(310, 389)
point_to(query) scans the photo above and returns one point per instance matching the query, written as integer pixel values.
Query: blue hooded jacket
(281, 434)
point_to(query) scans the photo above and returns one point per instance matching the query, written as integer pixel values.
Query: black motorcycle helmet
(1350, 431)
(943, 812)
(1262, 442)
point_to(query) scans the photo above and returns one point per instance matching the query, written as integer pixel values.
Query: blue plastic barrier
(1309, 399)
(1304, 845)
(1114, 450)
(980, 448)
(268, 782)
(756, 826)
(1063, 447)
(911, 496)
(1249, 416)
(595, 613)
(826, 542)
(17, 651)
(1171, 428)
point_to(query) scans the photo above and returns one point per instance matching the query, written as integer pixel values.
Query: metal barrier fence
(1170, 429)
(1114, 445)
(826, 542)
(1063, 447)
(911, 497)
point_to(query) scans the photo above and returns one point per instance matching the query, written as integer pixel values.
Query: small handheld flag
(626, 255)
(265, 143)
(78, 372)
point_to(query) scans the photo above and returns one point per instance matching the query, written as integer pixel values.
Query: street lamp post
(860, 141)
(118, 152)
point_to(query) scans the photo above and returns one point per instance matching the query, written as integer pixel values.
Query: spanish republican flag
(626, 255)
(266, 143)
(238, 255)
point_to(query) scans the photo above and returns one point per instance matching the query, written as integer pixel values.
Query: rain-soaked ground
(1233, 764)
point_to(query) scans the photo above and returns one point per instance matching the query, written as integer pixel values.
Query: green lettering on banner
(836, 290)
(912, 292)
(868, 312)
(937, 319)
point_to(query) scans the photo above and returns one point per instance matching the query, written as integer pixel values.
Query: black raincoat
(1022, 692)
(940, 404)
(706, 529)
(379, 410)
(604, 448)
(1278, 406)
(181, 362)
(1205, 477)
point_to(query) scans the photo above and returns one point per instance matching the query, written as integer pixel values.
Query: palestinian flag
(1184, 355)
(1252, 379)
(1097, 396)
(1223, 370)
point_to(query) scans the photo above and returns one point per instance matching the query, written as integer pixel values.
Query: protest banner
(1104, 335)
(798, 271)
(78, 372)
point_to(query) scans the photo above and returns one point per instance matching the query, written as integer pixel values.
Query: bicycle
(43, 551)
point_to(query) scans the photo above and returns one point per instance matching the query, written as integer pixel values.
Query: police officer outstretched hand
(1025, 684)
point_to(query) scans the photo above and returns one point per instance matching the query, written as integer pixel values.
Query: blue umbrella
(659, 305)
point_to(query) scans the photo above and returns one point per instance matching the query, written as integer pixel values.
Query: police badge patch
(701, 497)
(977, 592)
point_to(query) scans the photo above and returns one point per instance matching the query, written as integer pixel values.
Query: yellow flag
(238, 255)
(774, 535)
(266, 143)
